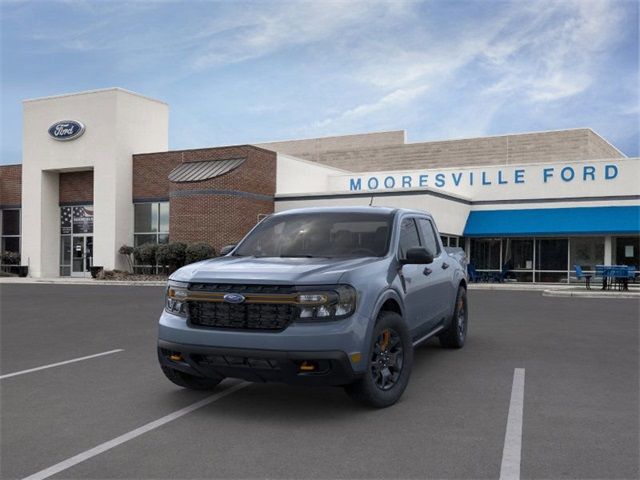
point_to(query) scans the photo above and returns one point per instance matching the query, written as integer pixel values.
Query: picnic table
(615, 276)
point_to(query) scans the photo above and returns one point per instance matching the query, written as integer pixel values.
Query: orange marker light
(307, 367)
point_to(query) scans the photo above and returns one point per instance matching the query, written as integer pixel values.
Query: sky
(248, 72)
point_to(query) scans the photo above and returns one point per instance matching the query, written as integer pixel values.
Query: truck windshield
(319, 234)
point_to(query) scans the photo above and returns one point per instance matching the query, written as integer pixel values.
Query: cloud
(439, 69)
(558, 58)
(270, 27)
(538, 53)
(397, 98)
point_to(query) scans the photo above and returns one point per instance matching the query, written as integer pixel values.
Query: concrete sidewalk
(81, 281)
(548, 290)
(560, 289)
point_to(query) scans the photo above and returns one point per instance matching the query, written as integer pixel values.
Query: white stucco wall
(118, 124)
(295, 175)
(450, 216)
(525, 181)
(497, 186)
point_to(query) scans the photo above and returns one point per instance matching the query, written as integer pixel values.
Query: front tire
(191, 382)
(389, 361)
(455, 335)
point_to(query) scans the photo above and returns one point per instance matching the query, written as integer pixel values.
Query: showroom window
(586, 252)
(10, 243)
(517, 254)
(545, 259)
(552, 259)
(151, 223)
(451, 241)
(626, 251)
(485, 253)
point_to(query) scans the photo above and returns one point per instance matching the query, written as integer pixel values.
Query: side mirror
(226, 250)
(417, 255)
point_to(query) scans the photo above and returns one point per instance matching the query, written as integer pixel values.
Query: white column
(608, 250)
(113, 212)
(40, 222)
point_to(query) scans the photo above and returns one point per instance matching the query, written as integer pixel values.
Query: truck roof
(353, 209)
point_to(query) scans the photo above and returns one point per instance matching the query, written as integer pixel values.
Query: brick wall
(199, 211)
(76, 187)
(558, 146)
(600, 148)
(10, 185)
(313, 148)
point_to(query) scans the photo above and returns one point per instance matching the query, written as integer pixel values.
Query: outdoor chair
(580, 275)
(502, 274)
(473, 274)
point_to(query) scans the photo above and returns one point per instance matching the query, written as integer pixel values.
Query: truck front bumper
(258, 365)
(338, 348)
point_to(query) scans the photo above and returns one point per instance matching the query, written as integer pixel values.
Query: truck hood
(285, 271)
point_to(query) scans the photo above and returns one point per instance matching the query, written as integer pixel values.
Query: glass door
(81, 255)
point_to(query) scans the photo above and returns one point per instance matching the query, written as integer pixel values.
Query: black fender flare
(387, 294)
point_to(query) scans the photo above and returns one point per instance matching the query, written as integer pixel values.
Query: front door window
(76, 240)
(77, 254)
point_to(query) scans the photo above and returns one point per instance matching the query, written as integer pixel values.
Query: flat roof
(91, 92)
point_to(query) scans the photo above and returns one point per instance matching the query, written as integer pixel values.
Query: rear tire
(455, 335)
(389, 359)
(191, 382)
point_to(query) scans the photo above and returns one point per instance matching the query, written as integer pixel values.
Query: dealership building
(97, 174)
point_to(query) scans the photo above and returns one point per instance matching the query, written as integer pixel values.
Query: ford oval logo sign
(233, 298)
(66, 130)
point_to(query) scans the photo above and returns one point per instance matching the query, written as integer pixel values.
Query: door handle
(427, 271)
(445, 265)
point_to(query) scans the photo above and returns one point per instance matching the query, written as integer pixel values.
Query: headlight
(175, 296)
(331, 304)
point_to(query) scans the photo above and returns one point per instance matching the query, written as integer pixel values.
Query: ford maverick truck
(317, 296)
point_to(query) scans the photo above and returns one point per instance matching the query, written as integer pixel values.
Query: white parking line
(73, 360)
(103, 447)
(511, 454)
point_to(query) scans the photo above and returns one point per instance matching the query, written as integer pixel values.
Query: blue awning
(554, 221)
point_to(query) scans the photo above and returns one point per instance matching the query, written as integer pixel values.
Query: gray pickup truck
(317, 296)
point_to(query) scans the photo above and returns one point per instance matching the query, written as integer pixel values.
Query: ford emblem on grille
(234, 298)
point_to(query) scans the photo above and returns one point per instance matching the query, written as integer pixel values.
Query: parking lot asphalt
(581, 397)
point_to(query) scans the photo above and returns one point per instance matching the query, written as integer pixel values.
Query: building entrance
(76, 240)
(82, 255)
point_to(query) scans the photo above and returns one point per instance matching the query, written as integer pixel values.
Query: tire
(382, 387)
(191, 382)
(455, 335)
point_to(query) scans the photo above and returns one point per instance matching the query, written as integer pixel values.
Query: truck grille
(239, 288)
(255, 316)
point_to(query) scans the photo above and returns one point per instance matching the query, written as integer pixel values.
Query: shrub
(10, 258)
(172, 255)
(199, 251)
(145, 254)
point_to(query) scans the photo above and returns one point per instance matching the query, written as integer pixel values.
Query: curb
(114, 283)
(587, 294)
(514, 287)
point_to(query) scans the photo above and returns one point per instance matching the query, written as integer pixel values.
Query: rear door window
(429, 236)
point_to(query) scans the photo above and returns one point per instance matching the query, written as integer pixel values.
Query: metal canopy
(197, 171)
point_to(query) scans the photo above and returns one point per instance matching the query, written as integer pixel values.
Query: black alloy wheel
(387, 359)
(388, 363)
